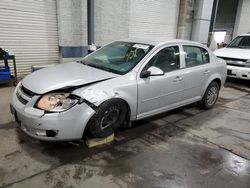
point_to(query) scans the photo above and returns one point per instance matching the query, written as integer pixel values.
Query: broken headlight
(57, 102)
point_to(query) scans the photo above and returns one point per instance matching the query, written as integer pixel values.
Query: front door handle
(178, 78)
(206, 72)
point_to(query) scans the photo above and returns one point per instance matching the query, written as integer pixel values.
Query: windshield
(240, 42)
(117, 57)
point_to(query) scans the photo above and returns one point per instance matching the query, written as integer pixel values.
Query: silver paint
(144, 96)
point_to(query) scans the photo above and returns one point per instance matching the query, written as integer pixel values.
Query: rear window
(195, 56)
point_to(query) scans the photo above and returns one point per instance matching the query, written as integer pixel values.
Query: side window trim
(202, 53)
(205, 51)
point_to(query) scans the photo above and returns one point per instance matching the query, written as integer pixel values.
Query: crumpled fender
(123, 87)
(96, 96)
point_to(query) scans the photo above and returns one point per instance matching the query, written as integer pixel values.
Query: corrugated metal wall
(29, 29)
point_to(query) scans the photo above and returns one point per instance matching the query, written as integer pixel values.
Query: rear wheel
(211, 95)
(109, 116)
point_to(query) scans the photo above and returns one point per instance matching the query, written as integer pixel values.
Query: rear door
(197, 71)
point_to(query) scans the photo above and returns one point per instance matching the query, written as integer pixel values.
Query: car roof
(156, 42)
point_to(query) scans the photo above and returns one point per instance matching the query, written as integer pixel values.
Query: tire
(109, 116)
(210, 97)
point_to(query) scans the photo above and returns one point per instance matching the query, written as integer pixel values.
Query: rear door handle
(178, 78)
(206, 72)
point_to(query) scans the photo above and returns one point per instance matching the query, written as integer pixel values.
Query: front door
(158, 93)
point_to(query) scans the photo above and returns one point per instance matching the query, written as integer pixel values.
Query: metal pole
(214, 15)
(90, 21)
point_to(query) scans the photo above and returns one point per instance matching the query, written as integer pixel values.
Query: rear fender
(211, 79)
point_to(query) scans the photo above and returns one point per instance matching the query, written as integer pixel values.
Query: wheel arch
(122, 99)
(218, 81)
(128, 115)
(215, 78)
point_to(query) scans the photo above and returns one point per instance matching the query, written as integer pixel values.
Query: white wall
(72, 29)
(242, 23)
(117, 19)
(153, 18)
(72, 22)
(111, 20)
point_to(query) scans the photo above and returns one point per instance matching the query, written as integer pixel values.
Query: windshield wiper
(98, 67)
(241, 47)
(244, 47)
(82, 62)
(101, 67)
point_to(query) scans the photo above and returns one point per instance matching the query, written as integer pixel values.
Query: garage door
(28, 28)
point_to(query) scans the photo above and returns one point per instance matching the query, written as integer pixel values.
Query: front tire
(109, 116)
(210, 97)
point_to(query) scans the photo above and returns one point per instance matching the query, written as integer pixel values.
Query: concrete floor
(187, 147)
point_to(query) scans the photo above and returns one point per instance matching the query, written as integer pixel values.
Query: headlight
(56, 102)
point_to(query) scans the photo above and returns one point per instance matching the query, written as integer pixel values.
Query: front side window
(195, 56)
(167, 59)
(118, 57)
(240, 42)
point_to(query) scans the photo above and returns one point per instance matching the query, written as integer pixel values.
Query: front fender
(123, 87)
(97, 97)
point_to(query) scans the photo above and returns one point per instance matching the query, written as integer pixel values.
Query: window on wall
(195, 56)
(167, 59)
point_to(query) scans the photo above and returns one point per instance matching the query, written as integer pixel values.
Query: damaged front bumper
(67, 125)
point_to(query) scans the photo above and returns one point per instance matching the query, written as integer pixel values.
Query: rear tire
(109, 116)
(210, 97)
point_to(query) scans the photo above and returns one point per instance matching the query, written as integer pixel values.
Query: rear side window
(195, 56)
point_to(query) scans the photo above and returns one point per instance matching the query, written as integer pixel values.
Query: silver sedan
(121, 82)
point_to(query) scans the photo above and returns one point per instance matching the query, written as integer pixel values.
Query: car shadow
(235, 81)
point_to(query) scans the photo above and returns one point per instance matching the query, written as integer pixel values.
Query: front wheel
(109, 116)
(211, 95)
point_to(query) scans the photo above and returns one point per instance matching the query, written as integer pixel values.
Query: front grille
(232, 59)
(21, 99)
(236, 65)
(27, 92)
(236, 62)
(24, 95)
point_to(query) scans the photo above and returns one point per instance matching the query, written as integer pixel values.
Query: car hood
(233, 53)
(64, 76)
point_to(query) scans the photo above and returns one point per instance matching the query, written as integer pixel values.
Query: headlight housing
(57, 102)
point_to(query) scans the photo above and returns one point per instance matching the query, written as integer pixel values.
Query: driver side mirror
(151, 71)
